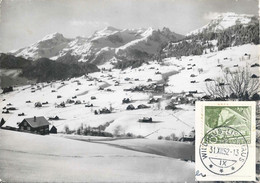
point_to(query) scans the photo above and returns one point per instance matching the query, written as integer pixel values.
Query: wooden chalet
(37, 125)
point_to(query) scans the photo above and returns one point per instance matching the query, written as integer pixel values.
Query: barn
(2, 122)
(37, 125)
(159, 88)
(53, 130)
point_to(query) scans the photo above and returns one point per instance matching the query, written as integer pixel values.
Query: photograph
(107, 90)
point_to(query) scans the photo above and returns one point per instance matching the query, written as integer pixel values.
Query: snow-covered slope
(224, 21)
(212, 66)
(149, 43)
(101, 46)
(76, 161)
(48, 47)
(180, 72)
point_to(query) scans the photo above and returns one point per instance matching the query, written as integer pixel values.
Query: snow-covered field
(173, 149)
(166, 122)
(56, 159)
(74, 115)
(231, 58)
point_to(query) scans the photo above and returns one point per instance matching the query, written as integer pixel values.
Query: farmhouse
(159, 88)
(35, 125)
(188, 138)
(130, 107)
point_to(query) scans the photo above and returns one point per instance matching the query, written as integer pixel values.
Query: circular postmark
(223, 150)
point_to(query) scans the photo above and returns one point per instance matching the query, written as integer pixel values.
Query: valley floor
(57, 159)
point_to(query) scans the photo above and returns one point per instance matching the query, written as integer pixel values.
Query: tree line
(45, 69)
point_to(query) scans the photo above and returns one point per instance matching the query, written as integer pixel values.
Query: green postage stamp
(225, 141)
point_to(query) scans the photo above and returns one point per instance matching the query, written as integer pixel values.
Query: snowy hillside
(224, 21)
(184, 68)
(110, 87)
(149, 43)
(213, 65)
(101, 46)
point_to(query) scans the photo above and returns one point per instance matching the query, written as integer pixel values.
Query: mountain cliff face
(101, 46)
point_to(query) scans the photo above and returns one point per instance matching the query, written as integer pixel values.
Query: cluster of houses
(185, 98)
(103, 111)
(152, 88)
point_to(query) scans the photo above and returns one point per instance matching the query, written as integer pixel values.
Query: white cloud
(211, 15)
(77, 23)
(81, 23)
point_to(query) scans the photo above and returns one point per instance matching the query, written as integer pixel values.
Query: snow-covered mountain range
(111, 44)
(224, 21)
(101, 46)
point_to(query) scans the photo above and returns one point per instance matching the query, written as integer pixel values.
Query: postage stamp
(225, 141)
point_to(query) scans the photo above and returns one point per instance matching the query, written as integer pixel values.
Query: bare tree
(174, 137)
(118, 130)
(238, 83)
(66, 129)
(217, 89)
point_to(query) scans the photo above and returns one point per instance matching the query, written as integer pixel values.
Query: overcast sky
(24, 22)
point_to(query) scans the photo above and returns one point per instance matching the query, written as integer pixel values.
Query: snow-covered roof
(37, 121)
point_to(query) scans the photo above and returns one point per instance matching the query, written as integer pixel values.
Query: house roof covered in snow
(36, 121)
